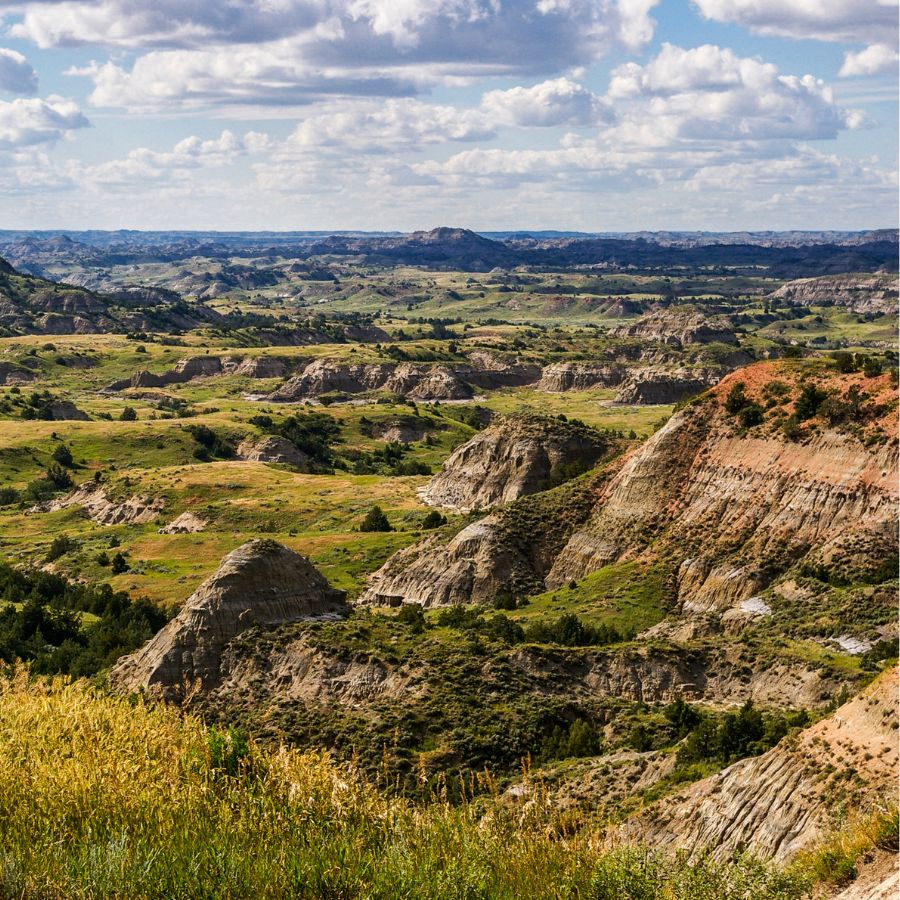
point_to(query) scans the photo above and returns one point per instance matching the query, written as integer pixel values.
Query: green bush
(375, 520)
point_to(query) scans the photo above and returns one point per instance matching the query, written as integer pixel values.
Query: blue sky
(490, 114)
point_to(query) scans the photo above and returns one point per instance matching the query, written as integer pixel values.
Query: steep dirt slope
(733, 505)
(783, 801)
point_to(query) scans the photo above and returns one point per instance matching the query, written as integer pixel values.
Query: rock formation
(785, 801)
(272, 449)
(576, 376)
(727, 503)
(860, 293)
(66, 411)
(261, 584)
(658, 386)
(678, 326)
(512, 457)
(100, 509)
(186, 523)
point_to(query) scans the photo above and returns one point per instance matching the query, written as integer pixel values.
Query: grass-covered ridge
(110, 797)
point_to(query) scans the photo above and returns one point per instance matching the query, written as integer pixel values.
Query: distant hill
(32, 305)
(791, 254)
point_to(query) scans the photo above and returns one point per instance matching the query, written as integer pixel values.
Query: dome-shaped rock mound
(518, 455)
(260, 584)
(272, 449)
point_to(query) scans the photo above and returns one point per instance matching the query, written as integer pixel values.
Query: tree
(808, 403)
(59, 477)
(736, 399)
(128, 414)
(63, 455)
(119, 564)
(375, 520)
(434, 520)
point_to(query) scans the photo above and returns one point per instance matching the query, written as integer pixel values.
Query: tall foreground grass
(106, 797)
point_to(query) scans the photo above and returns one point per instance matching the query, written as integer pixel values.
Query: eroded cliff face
(731, 506)
(261, 584)
(861, 293)
(572, 376)
(506, 553)
(785, 801)
(727, 508)
(513, 457)
(679, 326)
(664, 385)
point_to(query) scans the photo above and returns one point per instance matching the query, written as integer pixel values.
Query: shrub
(375, 520)
(59, 477)
(433, 520)
(63, 455)
(808, 403)
(872, 367)
(119, 564)
(751, 414)
(128, 414)
(8, 496)
(60, 546)
(737, 398)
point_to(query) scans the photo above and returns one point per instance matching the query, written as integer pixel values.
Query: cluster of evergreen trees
(63, 627)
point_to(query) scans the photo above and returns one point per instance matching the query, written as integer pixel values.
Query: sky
(592, 115)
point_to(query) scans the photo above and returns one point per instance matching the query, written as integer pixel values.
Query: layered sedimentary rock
(511, 458)
(728, 502)
(861, 293)
(577, 376)
(679, 326)
(657, 386)
(261, 584)
(784, 801)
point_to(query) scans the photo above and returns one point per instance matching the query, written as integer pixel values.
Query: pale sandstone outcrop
(513, 457)
(135, 510)
(272, 449)
(861, 293)
(677, 326)
(186, 523)
(578, 376)
(261, 584)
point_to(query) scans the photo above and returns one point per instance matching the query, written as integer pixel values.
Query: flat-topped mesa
(515, 456)
(677, 327)
(260, 584)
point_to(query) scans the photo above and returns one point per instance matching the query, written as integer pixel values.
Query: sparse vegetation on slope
(103, 797)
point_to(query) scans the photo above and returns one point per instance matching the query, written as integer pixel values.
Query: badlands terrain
(451, 565)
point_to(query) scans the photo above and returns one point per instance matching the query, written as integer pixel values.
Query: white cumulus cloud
(560, 102)
(26, 122)
(858, 21)
(874, 60)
